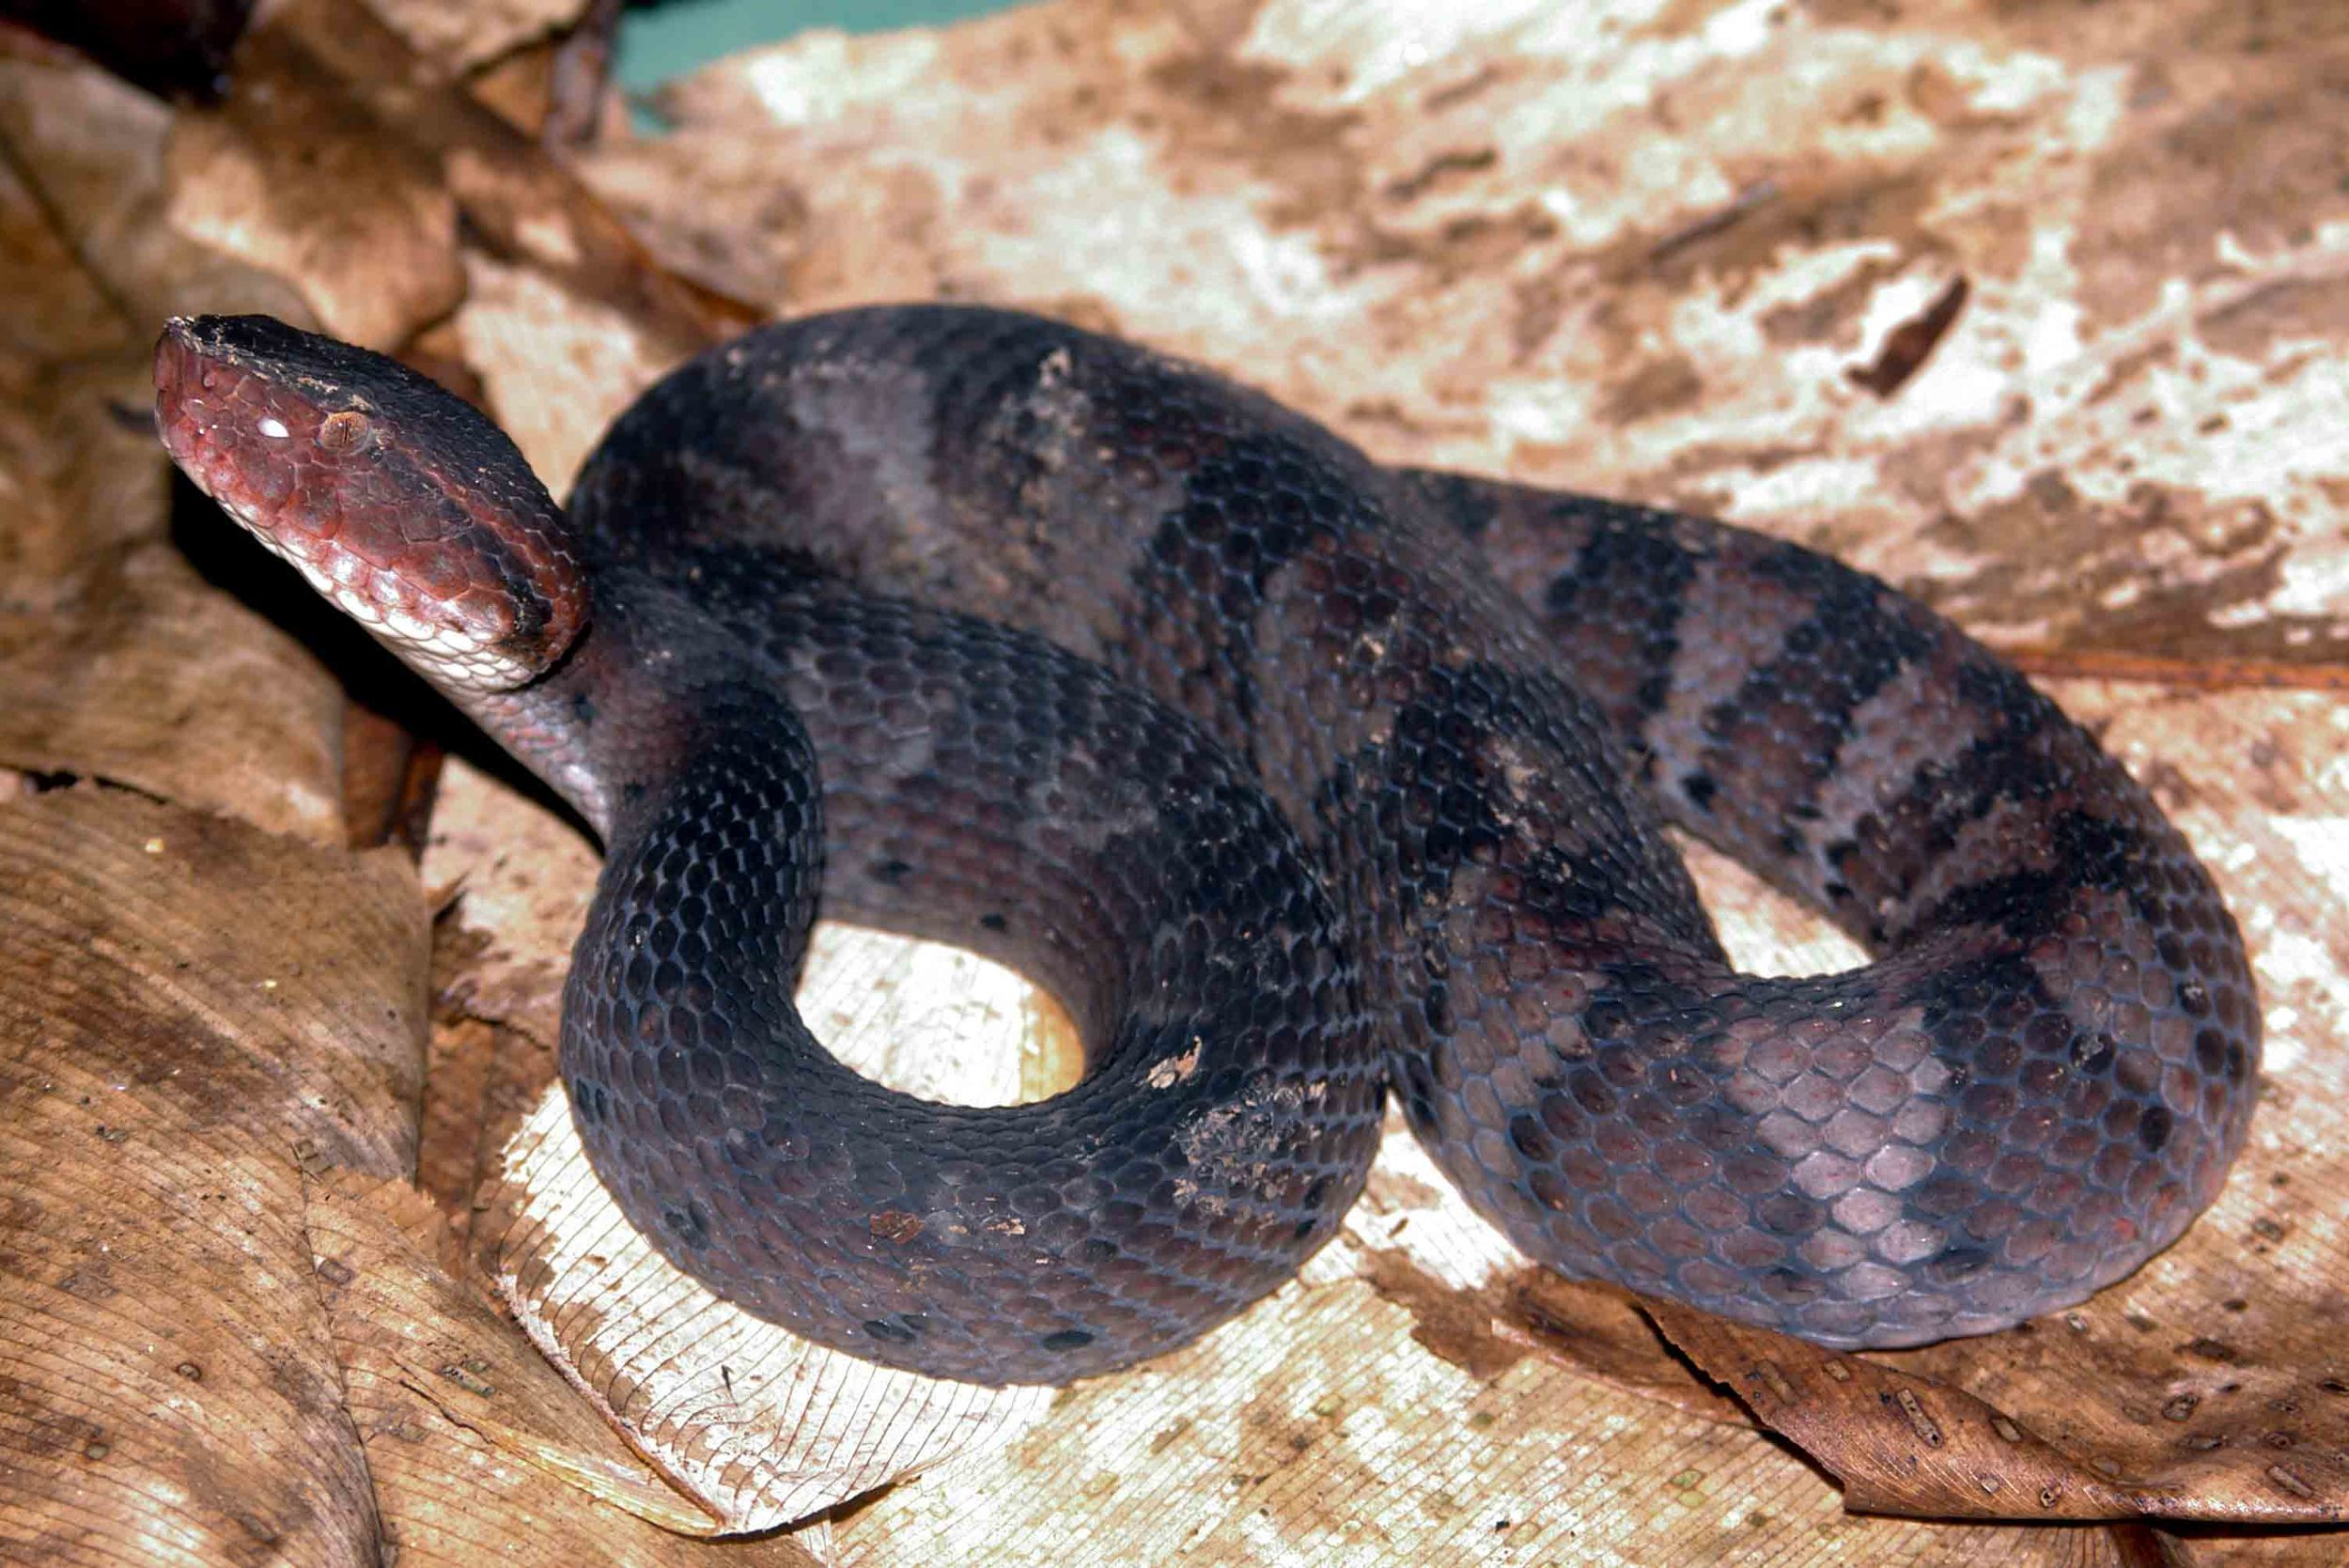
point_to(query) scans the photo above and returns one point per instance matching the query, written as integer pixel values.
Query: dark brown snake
(868, 604)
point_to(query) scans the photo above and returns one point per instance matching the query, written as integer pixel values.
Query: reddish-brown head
(399, 502)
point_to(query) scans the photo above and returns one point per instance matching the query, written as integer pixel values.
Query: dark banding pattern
(1464, 710)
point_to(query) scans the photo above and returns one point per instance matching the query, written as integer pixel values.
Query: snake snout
(405, 509)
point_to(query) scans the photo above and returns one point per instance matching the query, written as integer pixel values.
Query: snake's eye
(343, 431)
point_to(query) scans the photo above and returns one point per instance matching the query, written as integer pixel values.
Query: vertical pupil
(342, 431)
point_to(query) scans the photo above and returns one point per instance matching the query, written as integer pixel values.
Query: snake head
(399, 502)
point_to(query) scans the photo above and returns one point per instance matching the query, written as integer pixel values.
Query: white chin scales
(450, 659)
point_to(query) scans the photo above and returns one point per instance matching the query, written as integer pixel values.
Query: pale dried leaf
(459, 38)
(1592, 246)
(557, 367)
(476, 1446)
(762, 1428)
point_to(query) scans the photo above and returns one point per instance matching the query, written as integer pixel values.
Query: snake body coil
(874, 598)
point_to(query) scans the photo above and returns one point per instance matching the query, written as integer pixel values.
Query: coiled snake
(1294, 777)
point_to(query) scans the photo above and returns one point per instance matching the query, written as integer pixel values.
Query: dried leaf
(520, 204)
(88, 152)
(1899, 1444)
(293, 176)
(762, 1428)
(120, 662)
(194, 1012)
(150, 680)
(37, 266)
(1470, 242)
(556, 367)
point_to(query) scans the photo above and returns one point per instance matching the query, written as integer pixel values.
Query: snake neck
(556, 724)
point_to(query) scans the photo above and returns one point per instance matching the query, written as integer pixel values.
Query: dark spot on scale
(2210, 1051)
(688, 1224)
(2092, 1054)
(583, 708)
(889, 873)
(1700, 789)
(887, 1332)
(632, 793)
(1417, 1091)
(1785, 1285)
(1097, 1250)
(1958, 1262)
(592, 1100)
(994, 922)
(1067, 1339)
(2153, 1128)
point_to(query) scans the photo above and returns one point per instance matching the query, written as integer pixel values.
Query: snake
(1305, 783)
